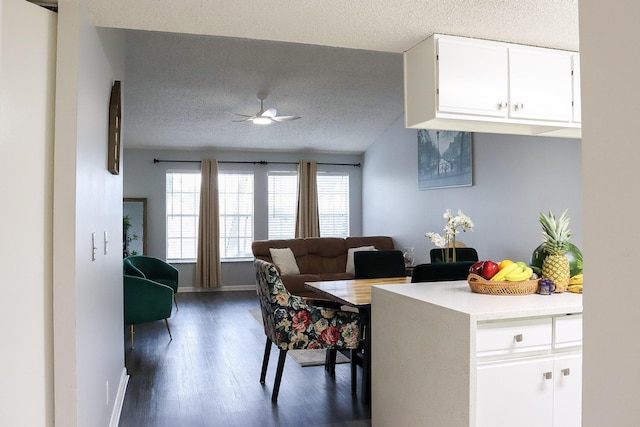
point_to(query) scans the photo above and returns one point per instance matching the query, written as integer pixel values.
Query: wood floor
(209, 374)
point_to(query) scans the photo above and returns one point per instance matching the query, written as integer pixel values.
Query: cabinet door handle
(566, 372)
(518, 338)
(502, 105)
(547, 375)
(519, 106)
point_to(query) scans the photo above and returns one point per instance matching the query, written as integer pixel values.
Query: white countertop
(458, 296)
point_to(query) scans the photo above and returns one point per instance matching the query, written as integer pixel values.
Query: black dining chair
(441, 271)
(462, 254)
(379, 264)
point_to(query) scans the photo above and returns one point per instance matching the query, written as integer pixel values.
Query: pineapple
(556, 235)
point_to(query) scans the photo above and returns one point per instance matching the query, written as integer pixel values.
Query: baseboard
(119, 402)
(229, 288)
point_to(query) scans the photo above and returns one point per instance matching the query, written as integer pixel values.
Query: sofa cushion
(325, 255)
(350, 264)
(382, 243)
(260, 249)
(285, 261)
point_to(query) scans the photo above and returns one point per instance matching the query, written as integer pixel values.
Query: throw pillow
(285, 261)
(350, 266)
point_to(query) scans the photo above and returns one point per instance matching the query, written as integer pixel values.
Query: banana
(576, 280)
(500, 275)
(519, 276)
(575, 289)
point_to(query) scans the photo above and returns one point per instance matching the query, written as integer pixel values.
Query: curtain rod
(260, 162)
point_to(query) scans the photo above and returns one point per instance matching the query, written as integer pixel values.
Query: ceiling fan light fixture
(265, 117)
(261, 121)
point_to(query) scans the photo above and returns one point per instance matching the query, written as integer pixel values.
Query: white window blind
(333, 204)
(282, 204)
(236, 214)
(183, 207)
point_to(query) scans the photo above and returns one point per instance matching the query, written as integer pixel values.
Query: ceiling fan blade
(271, 112)
(243, 120)
(285, 118)
(243, 115)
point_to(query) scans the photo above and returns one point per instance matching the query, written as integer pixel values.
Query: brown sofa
(318, 258)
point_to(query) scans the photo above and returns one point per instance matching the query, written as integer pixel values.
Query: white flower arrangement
(454, 225)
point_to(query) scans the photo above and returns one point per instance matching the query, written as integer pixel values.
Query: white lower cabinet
(515, 393)
(530, 392)
(567, 392)
(529, 373)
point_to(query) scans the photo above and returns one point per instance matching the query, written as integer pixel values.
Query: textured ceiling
(338, 64)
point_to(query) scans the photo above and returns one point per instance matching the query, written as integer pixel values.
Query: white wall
(610, 58)
(27, 73)
(88, 318)
(514, 179)
(143, 178)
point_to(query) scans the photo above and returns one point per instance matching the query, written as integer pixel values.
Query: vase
(408, 257)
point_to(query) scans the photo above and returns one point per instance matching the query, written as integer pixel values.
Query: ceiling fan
(265, 117)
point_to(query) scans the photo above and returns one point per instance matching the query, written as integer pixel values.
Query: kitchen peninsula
(444, 356)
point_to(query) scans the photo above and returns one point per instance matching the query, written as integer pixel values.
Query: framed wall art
(445, 159)
(115, 124)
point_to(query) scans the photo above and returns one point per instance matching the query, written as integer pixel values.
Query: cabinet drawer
(568, 331)
(514, 336)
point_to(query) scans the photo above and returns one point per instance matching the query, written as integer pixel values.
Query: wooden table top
(355, 292)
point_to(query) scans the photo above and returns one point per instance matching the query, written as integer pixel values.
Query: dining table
(357, 293)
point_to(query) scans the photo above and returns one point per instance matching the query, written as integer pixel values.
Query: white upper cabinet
(472, 78)
(457, 83)
(540, 86)
(577, 99)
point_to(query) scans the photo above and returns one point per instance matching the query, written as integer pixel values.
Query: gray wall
(90, 376)
(514, 179)
(610, 58)
(143, 178)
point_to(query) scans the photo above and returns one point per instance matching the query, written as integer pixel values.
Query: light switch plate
(94, 249)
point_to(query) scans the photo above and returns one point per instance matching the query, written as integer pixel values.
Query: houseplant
(454, 225)
(127, 236)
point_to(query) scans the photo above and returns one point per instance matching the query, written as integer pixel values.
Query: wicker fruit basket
(482, 286)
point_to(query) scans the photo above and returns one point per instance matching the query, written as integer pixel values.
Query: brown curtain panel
(208, 271)
(307, 218)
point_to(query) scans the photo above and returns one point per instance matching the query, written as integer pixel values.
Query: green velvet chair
(153, 269)
(146, 301)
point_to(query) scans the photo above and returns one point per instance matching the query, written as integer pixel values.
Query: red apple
(476, 268)
(489, 269)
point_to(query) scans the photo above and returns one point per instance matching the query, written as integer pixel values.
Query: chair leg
(132, 335)
(166, 322)
(330, 361)
(265, 360)
(276, 384)
(175, 301)
(354, 370)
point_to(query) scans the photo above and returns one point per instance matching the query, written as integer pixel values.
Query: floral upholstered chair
(291, 324)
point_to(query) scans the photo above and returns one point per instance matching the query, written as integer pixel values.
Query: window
(183, 206)
(333, 204)
(282, 204)
(236, 214)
